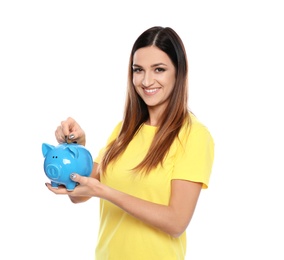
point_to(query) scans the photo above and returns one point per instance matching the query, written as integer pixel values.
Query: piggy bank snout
(52, 171)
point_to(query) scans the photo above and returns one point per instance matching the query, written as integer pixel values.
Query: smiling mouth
(150, 90)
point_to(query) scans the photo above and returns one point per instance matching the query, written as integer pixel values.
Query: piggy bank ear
(46, 148)
(74, 151)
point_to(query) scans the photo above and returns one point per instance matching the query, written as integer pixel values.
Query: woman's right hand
(70, 131)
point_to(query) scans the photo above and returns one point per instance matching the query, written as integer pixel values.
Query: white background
(69, 58)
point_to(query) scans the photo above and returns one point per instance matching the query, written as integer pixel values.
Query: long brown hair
(136, 111)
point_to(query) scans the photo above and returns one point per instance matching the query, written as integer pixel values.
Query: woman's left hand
(87, 187)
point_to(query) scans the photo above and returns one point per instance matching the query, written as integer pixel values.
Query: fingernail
(71, 136)
(73, 176)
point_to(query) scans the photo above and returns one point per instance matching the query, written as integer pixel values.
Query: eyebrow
(154, 65)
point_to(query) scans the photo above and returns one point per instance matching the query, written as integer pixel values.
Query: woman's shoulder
(118, 126)
(194, 134)
(115, 131)
(194, 125)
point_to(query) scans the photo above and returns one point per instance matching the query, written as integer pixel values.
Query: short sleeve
(194, 156)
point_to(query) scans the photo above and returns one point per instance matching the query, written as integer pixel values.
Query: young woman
(156, 161)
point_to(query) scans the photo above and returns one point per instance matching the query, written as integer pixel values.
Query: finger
(70, 139)
(67, 126)
(82, 180)
(60, 137)
(69, 129)
(60, 190)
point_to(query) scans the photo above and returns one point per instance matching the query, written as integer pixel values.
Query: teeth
(150, 90)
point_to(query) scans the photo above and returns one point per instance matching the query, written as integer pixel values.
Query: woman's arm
(172, 219)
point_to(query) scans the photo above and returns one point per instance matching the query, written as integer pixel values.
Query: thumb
(78, 178)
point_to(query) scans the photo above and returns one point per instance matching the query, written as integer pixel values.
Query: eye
(136, 70)
(160, 70)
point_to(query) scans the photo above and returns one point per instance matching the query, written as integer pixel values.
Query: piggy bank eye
(54, 156)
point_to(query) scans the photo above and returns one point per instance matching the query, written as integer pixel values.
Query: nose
(52, 171)
(148, 80)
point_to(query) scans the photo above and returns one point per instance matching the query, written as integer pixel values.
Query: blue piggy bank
(62, 160)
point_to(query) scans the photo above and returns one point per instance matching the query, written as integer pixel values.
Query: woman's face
(153, 76)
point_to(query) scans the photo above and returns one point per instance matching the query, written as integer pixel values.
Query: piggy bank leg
(54, 184)
(71, 186)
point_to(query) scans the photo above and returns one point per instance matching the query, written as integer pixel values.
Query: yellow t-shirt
(123, 237)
